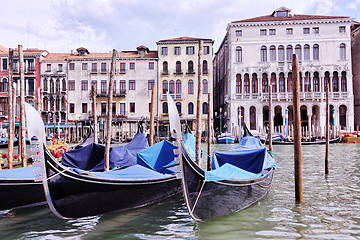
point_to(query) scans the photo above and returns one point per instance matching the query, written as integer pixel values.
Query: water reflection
(330, 209)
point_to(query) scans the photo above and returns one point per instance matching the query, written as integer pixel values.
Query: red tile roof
(90, 56)
(135, 54)
(184, 39)
(4, 50)
(291, 17)
(56, 57)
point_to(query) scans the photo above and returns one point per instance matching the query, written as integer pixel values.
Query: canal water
(330, 209)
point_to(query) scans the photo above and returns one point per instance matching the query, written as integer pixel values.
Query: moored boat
(225, 138)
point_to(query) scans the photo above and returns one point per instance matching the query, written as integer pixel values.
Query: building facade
(257, 53)
(179, 72)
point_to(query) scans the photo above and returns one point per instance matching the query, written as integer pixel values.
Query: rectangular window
(71, 85)
(132, 107)
(122, 86)
(84, 108)
(114, 108)
(164, 51)
(206, 50)
(306, 30)
(131, 84)
(132, 66)
(84, 85)
(238, 33)
(190, 50)
(103, 87)
(316, 30)
(262, 32)
(103, 108)
(151, 65)
(103, 67)
(60, 67)
(122, 108)
(150, 84)
(48, 67)
(289, 31)
(94, 67)
(4, 64)
(71, 66)
(177, 50)
(84, 66)
(272, 32)
(341, 29)
(122, 67)
(72, 107)
(94, 83)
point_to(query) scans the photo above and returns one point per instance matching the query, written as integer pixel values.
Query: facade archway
(252, 118)
(304, 116)
(342, 116)
(265, 113)
(278, 119)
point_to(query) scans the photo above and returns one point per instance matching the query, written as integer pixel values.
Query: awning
(6, 124)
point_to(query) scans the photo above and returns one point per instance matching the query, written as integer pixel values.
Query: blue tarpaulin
(91, 157)
(18, 173)
(249, 156)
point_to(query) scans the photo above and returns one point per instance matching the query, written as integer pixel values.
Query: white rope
(198, 196)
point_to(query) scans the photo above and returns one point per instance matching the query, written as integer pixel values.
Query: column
(310, 127)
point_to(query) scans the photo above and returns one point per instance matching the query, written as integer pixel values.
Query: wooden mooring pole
(297, 131)
(152, 116)
(96, 126)
(11, 110)
(327, 131)
(209, 134)
(198, 110)
(270, 119)
(109, 111)
(22, 138)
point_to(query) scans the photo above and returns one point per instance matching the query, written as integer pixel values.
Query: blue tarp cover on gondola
(18, 173)
(249, 155)
(91, 157)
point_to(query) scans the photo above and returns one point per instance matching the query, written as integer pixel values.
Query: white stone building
(257, 52)
(178, 73)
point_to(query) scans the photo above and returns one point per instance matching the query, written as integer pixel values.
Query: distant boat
(225, 138)
(240, 177)
(279, 139)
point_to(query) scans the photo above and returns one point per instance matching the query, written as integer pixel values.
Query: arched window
(205, 67)
(165, 107)
(281, 54)
(165, 86)
(52, 104)
(238, 54)
(190, 67)
(263, 54)
(246, 83)
(178, 86)
(57, 86)
(316, 82)
(178, 106)
(252, 118)
(298, 51)
(307, 84)
(342, 51)
(171, 86)
(238, 83)
(306, 52)
(335, 82)
(281, 82)
(327, 79)
(46, 104)
(254, 83)
(51, 86)
(190, 108)
(343, 82)
(190, 87)
(45, 85)
(165, 68)
(64, 84)
(342, 115)
(205, 87)
(289, 82)
(265, 83)
(316, 52)
(289, 53)
(178, 67)
(272, 53)
(205, 108)
(273, 82)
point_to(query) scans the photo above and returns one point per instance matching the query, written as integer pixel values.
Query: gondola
(283, 141)
(19, 188)
(240, 177)
(225, 138)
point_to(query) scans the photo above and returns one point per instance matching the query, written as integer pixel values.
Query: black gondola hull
(21, 193)
(217, 198)
(73, 195)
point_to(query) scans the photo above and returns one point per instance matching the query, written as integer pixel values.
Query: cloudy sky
(101, 25)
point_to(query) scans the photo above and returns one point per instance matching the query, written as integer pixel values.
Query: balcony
(205, 71)
(178, 73)
(165, 73)
(190, 72)
(104, 71)
(177, 96)
(104, 93)
(94, 71)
